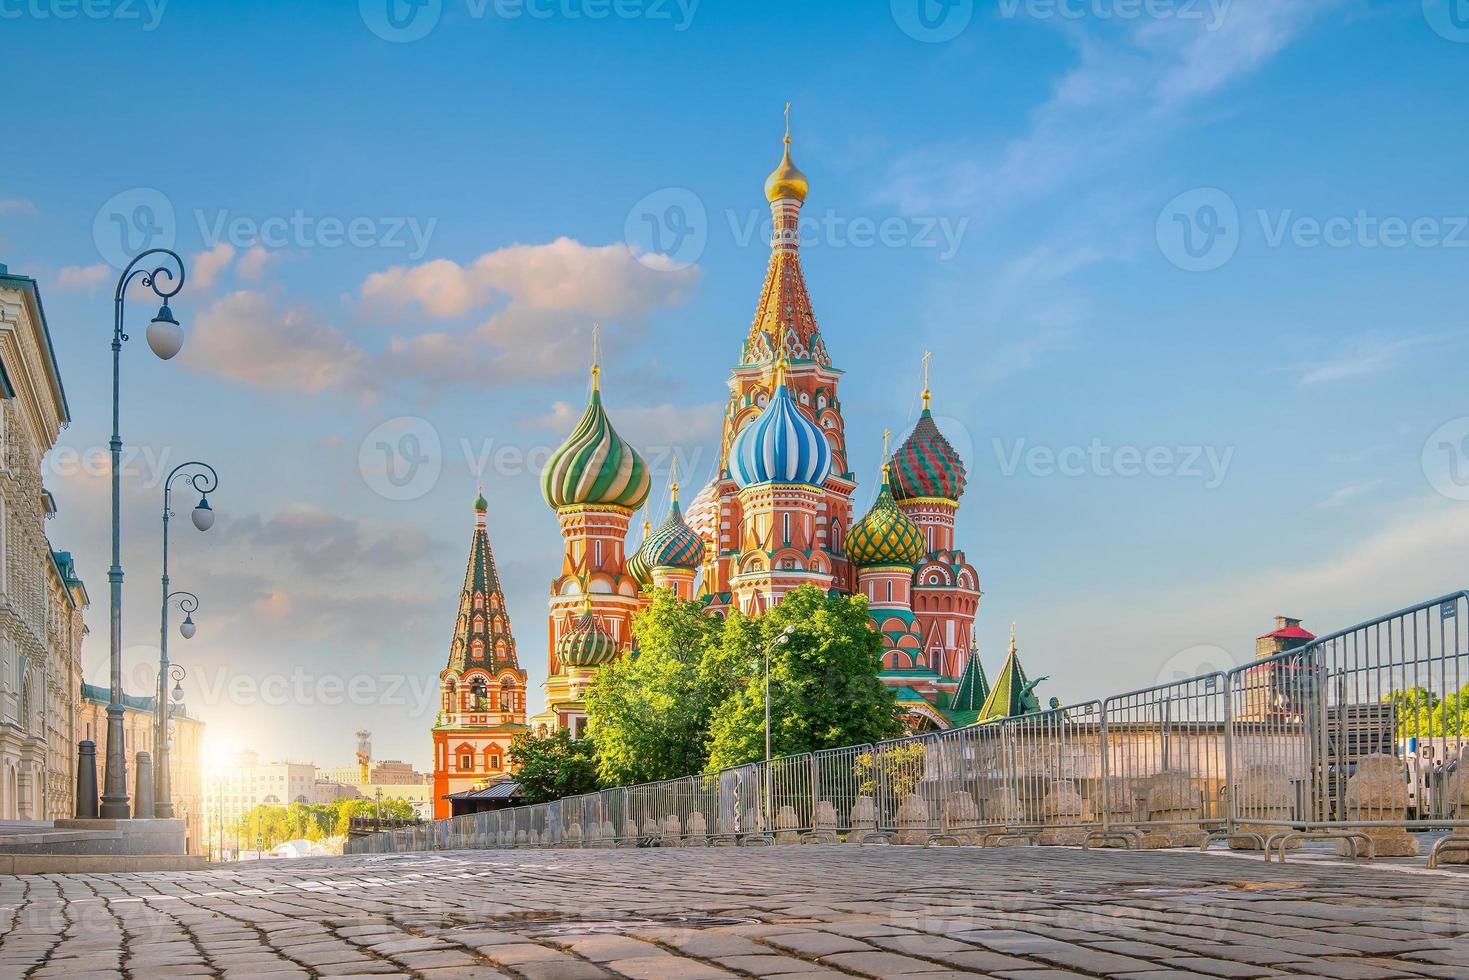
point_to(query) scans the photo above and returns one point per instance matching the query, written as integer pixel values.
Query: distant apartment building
(235, 789)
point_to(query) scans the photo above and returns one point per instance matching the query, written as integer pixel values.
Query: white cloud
(1364, 356)
(206, 266)
(254, 262)
(1128, 89)
(83, 277)
(243, 337)
(564, 276)
(16, 205)
(1344, 495)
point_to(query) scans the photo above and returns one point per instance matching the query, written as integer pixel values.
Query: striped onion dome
(586, 644)
(637, 566)
(885, 535)
(780, 445)
(594, 466)
(926, 465)
(674, 544)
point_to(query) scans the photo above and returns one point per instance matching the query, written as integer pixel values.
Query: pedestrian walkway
(1015, 913)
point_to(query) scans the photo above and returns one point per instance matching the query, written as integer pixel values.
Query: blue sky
(1226, 239)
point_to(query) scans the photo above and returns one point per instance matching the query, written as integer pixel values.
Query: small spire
(780, 369)
(1012, 639)
(788, 123)
(674, 478)
(586, 595)
(927, 356)
(886, 465)
(647, 524)
(596, 356)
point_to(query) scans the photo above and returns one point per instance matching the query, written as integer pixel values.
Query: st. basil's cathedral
(777, 515)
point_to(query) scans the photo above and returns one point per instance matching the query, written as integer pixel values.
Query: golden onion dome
(786, 180)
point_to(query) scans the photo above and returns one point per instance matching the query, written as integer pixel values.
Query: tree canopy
(825, 691)
(552, 766)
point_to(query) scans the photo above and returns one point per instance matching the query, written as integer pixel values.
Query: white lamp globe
(165, 336)
(203, 515)
(187, 628)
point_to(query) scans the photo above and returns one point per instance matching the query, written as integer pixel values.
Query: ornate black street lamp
(165, 337)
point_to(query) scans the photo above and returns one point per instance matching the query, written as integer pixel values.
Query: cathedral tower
(594, 482)
(482, 688)
(783, 333)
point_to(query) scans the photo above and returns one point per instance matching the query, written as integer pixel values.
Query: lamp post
(204, 480)
(163, 731)
(779, 641)
(165, 337)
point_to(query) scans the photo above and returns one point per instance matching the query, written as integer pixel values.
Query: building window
(479, 696)
(597, 550)
(466, 761)
(786, 523)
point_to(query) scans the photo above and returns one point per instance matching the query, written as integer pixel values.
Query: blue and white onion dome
(780, 445)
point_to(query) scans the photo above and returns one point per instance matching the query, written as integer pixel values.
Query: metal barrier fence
(1356, 738)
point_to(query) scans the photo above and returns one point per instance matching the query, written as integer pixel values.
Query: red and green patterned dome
(674, 544)
(586, 644)
(885, 535)
(925, 465)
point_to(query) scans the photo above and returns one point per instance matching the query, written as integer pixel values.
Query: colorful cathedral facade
(777, 515)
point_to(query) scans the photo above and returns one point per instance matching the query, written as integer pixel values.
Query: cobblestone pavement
(796, 912)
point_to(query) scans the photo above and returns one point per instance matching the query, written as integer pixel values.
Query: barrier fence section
(1356, 737)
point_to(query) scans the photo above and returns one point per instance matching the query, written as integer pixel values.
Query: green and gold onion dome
(594, 467)
(637, 565)
(586, 644)
(885, 535)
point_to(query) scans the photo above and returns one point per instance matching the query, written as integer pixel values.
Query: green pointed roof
(1012, 694)
(974, 687)
(482, 636)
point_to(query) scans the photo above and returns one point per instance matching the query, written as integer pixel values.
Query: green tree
(649, 715)
(824, 685)
(552, 767)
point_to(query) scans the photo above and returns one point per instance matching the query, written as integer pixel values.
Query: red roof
(1291, 633)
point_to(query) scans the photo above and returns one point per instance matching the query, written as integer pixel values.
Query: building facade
(234, 789)
(41, 599)
(778, 514)
(482, 688)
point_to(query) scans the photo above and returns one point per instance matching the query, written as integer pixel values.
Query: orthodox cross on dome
(886, 435)
(673, 479)
(596, 356)
(927, 357)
